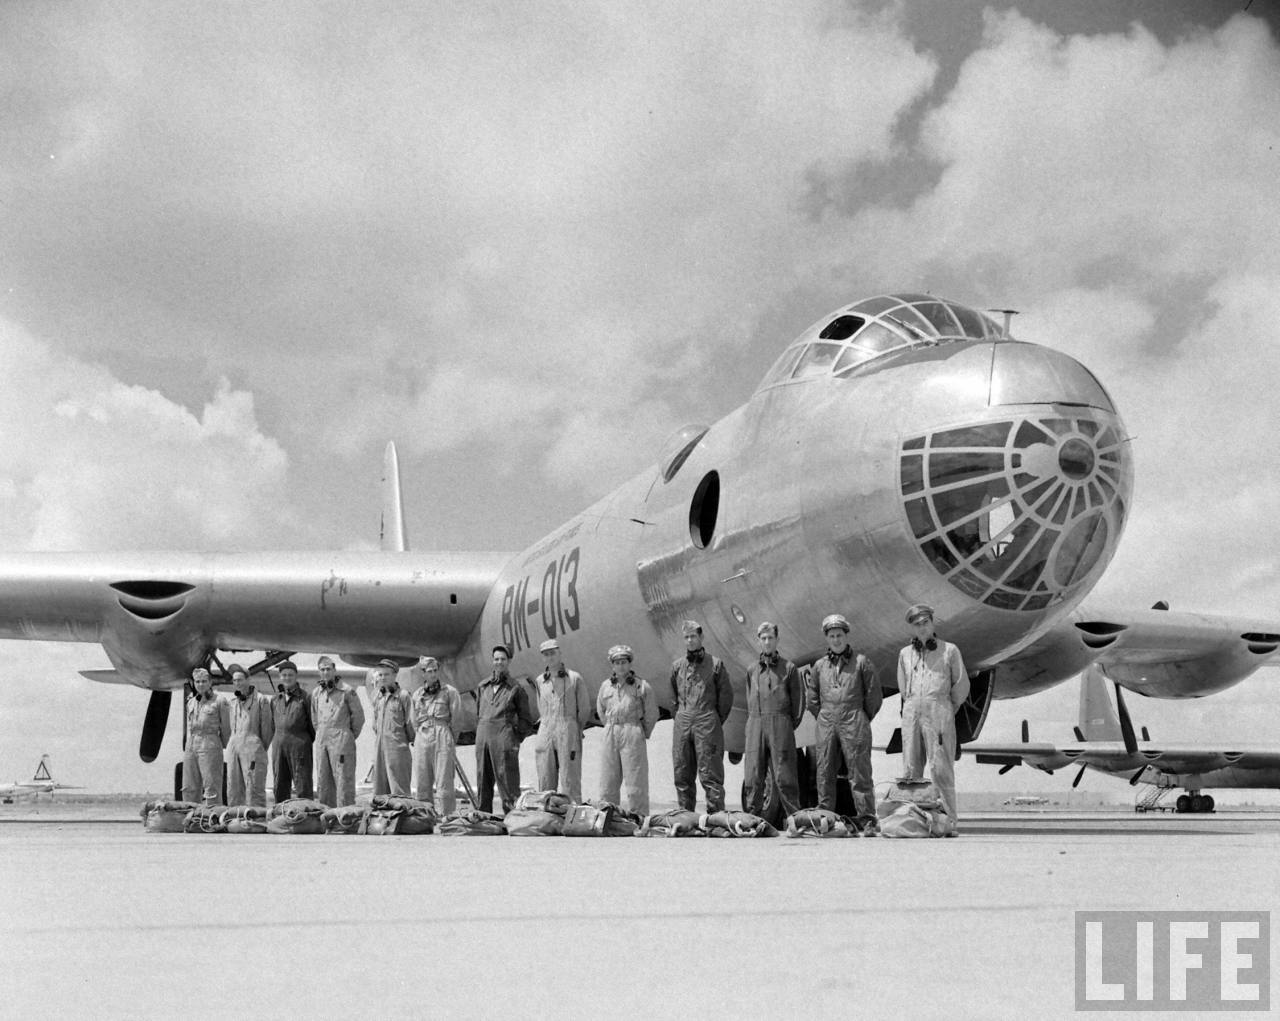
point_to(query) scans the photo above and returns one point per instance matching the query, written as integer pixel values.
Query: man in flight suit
(564, 709)
(252, 729)
(701, 699)
(208, 731)
(435, 708)
(775, 706)
(843, 693)
(629, 711)
(295, 737)
(393, 732)
(338, 717)
(504, 719)
(934, 684)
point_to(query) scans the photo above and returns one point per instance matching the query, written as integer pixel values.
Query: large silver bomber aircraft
(903, 449)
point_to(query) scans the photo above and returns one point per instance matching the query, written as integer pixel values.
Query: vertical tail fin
(42, 773)
(1098, 719)
(392, 537)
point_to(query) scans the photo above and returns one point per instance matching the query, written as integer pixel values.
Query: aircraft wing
(1154, 652)
(157, 614)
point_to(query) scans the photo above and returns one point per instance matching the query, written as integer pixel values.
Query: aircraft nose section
(1025, 509)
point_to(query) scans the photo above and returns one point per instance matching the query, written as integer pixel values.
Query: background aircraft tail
(393, 537)
(43, 773)
(1098, 718)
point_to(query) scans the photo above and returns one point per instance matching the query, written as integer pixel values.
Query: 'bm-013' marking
(555, 605)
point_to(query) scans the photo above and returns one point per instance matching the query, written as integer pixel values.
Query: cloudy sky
(243, 245)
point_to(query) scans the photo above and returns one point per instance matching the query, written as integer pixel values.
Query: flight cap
(502, 649)
(389, 664)
(690, 627)
(236, 668)
(834, 620)
(550, 645)
(427, 662)
(621, 652)
(200, 674)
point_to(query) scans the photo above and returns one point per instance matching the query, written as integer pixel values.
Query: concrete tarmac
(104, 920)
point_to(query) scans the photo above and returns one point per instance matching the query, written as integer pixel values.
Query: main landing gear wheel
(1183, 804)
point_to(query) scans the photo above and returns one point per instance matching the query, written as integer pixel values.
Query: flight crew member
(208, 731)
(775, 707)
(842, 691)
(629, 711)
(701, 699)
(504, 719)
(338, 717)
(393, 732)
(435, 707)
(564, 708)
(934, 684)
(252, 729)
(295, 737)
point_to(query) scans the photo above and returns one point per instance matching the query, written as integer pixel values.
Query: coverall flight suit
(629, 712)
(934, 684)
(564, 708)
(393, 734)
(208, 731)
(844, 694)
(775, 706)
(503, 720)
(338, 717)
(291, 753)
(252, 729)
(435, 710)
(702, 698)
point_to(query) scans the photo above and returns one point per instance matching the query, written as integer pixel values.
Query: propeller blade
(1026, 732)
(1126, 724)
(1005, 768)
(1145, 735)
(1079, 776)
(154, 724)
(1133, 780)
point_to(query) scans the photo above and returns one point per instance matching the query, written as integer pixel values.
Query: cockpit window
(875, 326)
(817, 358)
(841, 328)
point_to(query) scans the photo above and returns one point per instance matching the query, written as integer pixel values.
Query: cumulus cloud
(91, 463)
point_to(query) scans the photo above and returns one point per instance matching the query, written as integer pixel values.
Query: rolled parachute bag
(678, 822)
(245, 819)
(389, 814)
(585, 821)
(472, 823)
(735, 824)
(205, 819)
(346, 819)
(906, 821)
(300, 816)
(819, 822)
(909, 792)
(618, 822)
(544, 801)
(166, 816)
(533, 822)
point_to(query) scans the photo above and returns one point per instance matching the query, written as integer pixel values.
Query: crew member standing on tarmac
(295, 737)
(393, 732)
(844, 694)
(775, 706)
(435, 707)
(564, 709)
(339, 718)
(934, 684)
(629, 711)
(208, 731)
(252, 729)
(504, 719)
(701, 699)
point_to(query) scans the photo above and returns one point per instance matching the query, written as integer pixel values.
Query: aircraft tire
(1183, 804)
(1208, 803)
(1197, 803)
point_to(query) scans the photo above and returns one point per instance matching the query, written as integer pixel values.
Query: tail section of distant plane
(1098, 718)
(42, 773)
